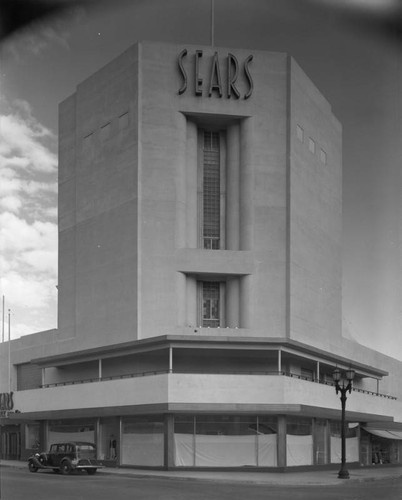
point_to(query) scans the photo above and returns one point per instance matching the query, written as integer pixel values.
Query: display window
(225, 441)
(71, 430)
(143, 441)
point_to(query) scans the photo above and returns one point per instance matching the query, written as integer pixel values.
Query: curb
(290, 482)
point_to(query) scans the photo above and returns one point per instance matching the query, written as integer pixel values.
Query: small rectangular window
(87, 140)
(300, 133)
(105, 131)
(123, 121)
(311, 145)
(323, 156)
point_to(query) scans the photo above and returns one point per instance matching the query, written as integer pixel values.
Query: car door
(60, 453)
(52, 455)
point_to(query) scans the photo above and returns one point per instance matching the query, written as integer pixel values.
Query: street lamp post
(343, 389)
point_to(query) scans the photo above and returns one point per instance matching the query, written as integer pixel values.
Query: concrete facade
(128, 238)
(131, 357)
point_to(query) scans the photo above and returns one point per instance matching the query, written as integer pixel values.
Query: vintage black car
(66, 457)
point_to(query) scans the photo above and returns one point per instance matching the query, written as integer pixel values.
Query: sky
(350, 49)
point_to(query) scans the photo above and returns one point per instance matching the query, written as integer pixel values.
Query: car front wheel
(32, 467)
(91, 472)
(66, 467)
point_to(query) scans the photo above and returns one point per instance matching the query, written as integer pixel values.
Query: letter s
(183, 88)
(248, 76)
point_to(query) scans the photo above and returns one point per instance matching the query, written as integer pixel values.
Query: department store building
(200, 275)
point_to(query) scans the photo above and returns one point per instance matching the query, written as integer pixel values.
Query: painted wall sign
(6, 401)
(208, 77)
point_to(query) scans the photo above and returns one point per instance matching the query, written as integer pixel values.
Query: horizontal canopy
(384, 433)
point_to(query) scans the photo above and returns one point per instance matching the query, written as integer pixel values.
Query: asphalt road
(17, 484)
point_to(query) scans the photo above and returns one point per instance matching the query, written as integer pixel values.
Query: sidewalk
(316, 477)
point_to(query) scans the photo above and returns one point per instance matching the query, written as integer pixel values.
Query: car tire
(32, 467)
(66, 467)
(91, 472)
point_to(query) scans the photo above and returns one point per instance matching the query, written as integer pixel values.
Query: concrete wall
(195, 389)
(315, 216)
(129, 201)
(98, 206)
(124, 392)
(168, 216)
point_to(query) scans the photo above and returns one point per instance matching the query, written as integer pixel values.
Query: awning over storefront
(385, 433)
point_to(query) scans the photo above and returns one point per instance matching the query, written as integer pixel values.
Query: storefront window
(32, 436)
(321, 443)
(352, 442)
(143, 441)
(299, 441)
(384, 451)
(224, 441)
(108, 446)
(184, 440)
(267, 441)
(71, 430)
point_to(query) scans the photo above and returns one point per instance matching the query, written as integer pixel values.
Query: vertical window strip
(210, 304)
(211, 190)
(300, 133)
(311, 145)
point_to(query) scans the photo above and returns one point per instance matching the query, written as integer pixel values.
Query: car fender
(34, 459)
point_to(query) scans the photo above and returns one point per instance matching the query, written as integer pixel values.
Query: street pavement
(311, 477)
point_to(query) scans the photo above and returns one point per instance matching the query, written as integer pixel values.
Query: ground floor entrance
(10, 446)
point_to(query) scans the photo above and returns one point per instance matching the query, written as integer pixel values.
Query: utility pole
(9, 351)
(2, 323)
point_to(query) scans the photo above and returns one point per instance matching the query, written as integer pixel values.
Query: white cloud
(50, 212)
(16, 161)
(28, 292)
(11, 203)
(33, 187)
(44, 261)
(17, 235)
(28, 165)
(21, 144)
(28, 207)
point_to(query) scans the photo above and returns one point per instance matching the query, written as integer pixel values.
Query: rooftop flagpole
(9, 351)
(212, 23)
(2, 323)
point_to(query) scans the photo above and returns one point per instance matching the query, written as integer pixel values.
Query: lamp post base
(343, 474)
